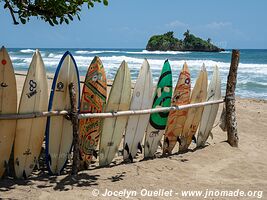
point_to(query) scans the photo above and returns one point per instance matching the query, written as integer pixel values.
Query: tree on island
(209, 40)
(167, 42)
(52, 11)
(187, 33)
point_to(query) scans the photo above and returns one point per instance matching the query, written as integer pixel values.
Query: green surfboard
(157, 121)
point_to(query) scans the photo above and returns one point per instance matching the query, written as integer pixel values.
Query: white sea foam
(158, 52)
(95, 52)
(52, 59)
(225, 52)
(251, 82)
(27, 51)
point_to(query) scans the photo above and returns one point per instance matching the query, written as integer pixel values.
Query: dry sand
(215, 167)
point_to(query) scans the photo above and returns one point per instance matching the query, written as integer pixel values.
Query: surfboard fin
(24, 174)
(130, 157)
(80, 156)
(17, 161)
(179, 140)
(211, 135)
(36, 162)
(194, 139)
(6, 166)
(147, 144)
(49, 159)
(160, 144)
(167, 141)
(95, 154)
(140, 147)
(127, 148)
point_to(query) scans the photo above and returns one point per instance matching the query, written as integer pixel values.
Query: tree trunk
(74, 120)
(231, 123)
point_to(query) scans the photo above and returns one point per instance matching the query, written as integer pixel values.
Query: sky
(130, 23)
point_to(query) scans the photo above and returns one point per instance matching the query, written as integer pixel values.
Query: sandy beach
(215, 167)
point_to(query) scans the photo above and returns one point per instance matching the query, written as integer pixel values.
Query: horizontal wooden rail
(147, 111)
(33, 115)
(109, 114)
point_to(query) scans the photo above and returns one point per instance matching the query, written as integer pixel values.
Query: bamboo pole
(75, 123)
(231, 123)
(147, 111)
(33, 115)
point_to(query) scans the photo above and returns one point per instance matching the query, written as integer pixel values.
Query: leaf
(50, 22)
(105, 2)
(78, 16)
(23, 21)
(90, 4)
(70, 17)
(67, 21)
(61, 20)
(55, 21)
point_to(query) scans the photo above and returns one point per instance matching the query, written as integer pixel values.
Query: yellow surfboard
(113, 128)
(8, 105)
(30, 132)
(199, 94)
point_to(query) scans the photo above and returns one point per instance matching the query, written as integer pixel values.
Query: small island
(167, 42)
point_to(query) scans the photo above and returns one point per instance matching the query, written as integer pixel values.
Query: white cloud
(176, 23)
(218, 25)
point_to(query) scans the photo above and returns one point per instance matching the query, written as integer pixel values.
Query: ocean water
(252, 72)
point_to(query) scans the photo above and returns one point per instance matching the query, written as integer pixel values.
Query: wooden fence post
(74, 121)
(231, 124)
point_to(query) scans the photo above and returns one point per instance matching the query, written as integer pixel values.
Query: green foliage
(167, 42)
(163, 42)
(54, 12)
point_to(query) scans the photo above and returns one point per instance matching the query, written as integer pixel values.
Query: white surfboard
(210, 112)
(59, 133)
(8, 105)
(136, 125)
(113, 128)
(30, 132)
(199, 94)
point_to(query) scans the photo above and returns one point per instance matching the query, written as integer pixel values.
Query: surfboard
(93, 100)
(59, 133)
(136, 125)
(199, 94)
(8, 105)
(210, 112)
(113, 128)
(30, 132)
(157, 121)
(176, 119)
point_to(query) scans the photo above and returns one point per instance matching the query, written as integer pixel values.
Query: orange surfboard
(176, 120)
(93, 100)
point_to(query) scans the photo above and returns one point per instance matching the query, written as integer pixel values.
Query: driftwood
(231, 123)
(75, 124)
